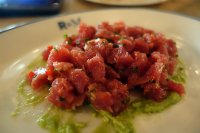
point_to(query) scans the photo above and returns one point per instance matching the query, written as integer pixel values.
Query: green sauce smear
(119, 124)
(179, 75)
(37, 62)
(149, 106)
(57, 120)
(53, 120)
(104, 127)
(27, 97)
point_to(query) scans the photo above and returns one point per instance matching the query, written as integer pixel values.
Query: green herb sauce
(149, 106)
(179, 75)
(104, 127)
(55, 120)
(119, 124)
(38, 62)
(27, 97)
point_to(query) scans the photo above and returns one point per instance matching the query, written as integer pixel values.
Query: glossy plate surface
(127, 2)
(20, 46)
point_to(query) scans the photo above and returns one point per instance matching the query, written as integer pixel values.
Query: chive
(121, 44)
(55, 49)
(152, 81)
(116, 33)
(103, 42)
(55, 70)
(61, 99)
(116, 46)
(92, 90)
(65, 36)
(134, 69)
(122, 38)
(69, 41)
(48, 86)
(87, 39)
(34, 76)
(120, 71)
(109, 40)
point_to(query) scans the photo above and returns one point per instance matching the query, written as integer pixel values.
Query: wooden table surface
(186, 7)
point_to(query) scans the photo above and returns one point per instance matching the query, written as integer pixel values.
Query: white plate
(127, 2)
(19, 46)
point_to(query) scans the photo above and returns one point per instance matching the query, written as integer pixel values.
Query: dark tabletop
(186, 7)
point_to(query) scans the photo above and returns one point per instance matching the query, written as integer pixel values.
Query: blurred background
(18, 12)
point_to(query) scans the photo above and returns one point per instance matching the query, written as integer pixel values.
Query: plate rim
(67, 15)
(19, 25)
(137, 4)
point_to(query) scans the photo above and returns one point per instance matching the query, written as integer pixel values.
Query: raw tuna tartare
(108, 67)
